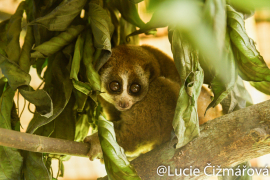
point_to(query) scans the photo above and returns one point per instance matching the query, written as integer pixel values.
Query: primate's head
(126, 76)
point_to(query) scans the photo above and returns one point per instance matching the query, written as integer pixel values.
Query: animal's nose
(123, 104)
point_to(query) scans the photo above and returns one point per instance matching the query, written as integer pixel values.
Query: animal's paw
(95, 151)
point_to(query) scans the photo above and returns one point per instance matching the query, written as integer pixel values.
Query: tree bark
(225, 141)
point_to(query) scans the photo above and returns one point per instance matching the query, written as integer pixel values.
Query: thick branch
(226, 141)
(35, 143)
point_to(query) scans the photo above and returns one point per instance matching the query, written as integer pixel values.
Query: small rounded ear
(151, 70)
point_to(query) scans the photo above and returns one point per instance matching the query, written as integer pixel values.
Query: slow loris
(141, 86)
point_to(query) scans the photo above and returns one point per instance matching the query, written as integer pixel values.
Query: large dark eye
(115, 86)
(134, 88)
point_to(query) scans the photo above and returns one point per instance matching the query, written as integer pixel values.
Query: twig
(18, 109)
(29, 109)
(24, 104)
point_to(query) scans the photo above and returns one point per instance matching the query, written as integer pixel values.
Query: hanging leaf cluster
(66, 41)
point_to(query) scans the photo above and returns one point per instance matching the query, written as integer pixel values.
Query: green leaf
(62, 16)
(69, 51)
(80, 100)
(114, 13)
(82, 87)
(116, 163)
(222, 85)
(215, 16)
(15, 120)
(78, 54)
(61, 92)
(34, 167)
(3, 37)
(61, 168)
(13, 48)
(127, 28)
(244, 9)
(48, 74)
(262, 86)
(237, 99)
(128, 10)
(64, 124)
(250, 63)
(136, 1)
(11, 160)
(97, 56)
(249, 4)
(29, 5)
(56, 43)
(102, 29)
(152, 5)
(24, 61)
(40, 99)
(3, 84)
(35, 9)
(229, 103)
(41, 63)
(186, 121)
(88, 58)
(184, 14)
(16, 77)
(84, 50)
(243, 97)
(85, 115)
(93, 113)
(82, 127)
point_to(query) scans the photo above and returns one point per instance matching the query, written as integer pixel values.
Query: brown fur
(167, 66)
(131, 61)
(148, 123)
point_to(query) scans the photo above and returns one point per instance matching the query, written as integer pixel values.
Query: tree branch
(226, 141)
(42, 144)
